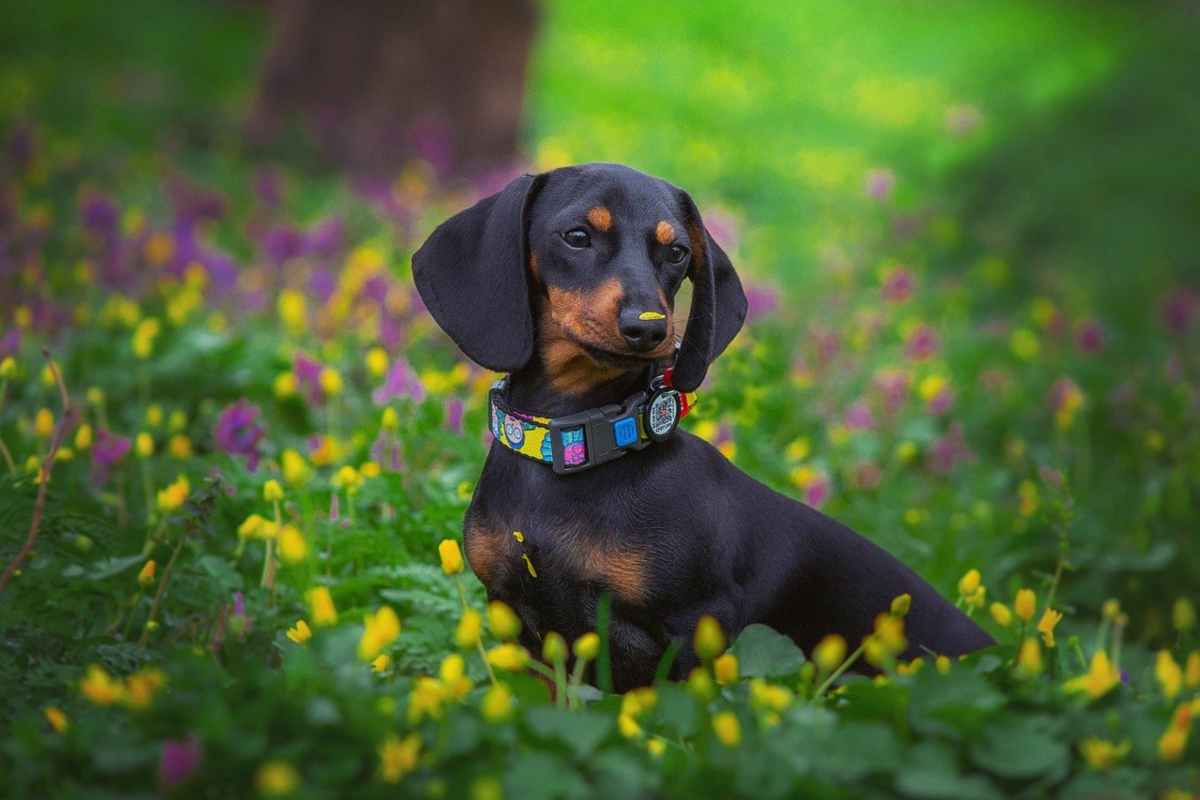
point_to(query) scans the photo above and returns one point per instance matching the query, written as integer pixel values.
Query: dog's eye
(677, 253)
(577, 238)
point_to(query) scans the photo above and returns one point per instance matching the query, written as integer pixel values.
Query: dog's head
(581, 264)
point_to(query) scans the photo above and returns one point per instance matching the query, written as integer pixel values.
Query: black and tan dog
(567, 281)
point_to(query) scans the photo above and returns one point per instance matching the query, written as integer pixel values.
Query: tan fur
(600, 218)
(533, 267)
(624, 571)
(664, 232)
(487, 550)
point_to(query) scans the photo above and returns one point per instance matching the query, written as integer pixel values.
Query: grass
(989, 365)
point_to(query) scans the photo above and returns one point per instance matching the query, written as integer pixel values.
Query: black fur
(674, 531)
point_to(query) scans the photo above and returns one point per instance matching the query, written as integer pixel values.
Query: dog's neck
(532, 391)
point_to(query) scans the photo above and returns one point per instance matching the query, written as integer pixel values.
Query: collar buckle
(596, 436)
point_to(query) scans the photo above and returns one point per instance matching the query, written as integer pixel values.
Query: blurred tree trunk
(378, 82)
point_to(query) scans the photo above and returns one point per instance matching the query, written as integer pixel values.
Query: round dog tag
(662, 414)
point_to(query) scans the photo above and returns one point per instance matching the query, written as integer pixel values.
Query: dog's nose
(643, 330)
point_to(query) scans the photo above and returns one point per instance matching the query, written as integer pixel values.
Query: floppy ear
(471, 275)
(718, 303)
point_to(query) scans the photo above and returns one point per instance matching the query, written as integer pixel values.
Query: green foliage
(918, 365)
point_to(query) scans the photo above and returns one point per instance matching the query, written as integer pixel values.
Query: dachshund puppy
(567, 281)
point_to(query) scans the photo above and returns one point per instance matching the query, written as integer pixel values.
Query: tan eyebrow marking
(600, 218)
(664, 232)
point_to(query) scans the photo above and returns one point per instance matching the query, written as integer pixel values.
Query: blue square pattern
(625, 431)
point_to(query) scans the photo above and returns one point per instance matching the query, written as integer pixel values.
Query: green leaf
(953, 704)
(536, 775)
(582, 731)
(763, 652)
(931, 773)
(112, 566)
(675, 710)
(1021, 748)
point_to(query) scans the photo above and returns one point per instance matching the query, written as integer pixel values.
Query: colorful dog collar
(592, 437)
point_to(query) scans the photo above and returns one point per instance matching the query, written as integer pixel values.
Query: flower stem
(162, 587)
(837, 673)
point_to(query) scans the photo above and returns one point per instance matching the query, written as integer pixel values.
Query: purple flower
(941, 402)
(949, 451)
(893, 385)
(387, 452)
(10, 343)
(99, 214)
(282, 243)
(1089, 336)
(180, 759)
(106, 452)
(454, 414)
(325, 238)
(817, 492)
(1178, 309)
(238, 432)
(308, 375)
(760, 300)
(922, 343)
(239, 622)
(268, 186)
(879, 184)
(401, 381)
(899, 285)
(859, 416)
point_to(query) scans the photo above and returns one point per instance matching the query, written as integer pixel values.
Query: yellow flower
(144, 336)
(292, 547)
(272, 491)
(799, 449)
(300, 632)
(1046, 625)
(554, 648)
(347, 478)
(636, 701)
(57, 719)
(251, 526)
(177, 421)
(154, 415)
(1191, 675)
(503, 621)
(1099, 680)
(709, 639)
(1029, 658)
(141, 687)
(769, 697)
(144, 445)
(276, 778)
(425, 700)
(829, 653)
(726, 669)
(1101, 754)
(1024, 344)
(175, 495)
(295, 468)
(453, 675)
(284, 385)
(942, 665)
(180, 446)
(8, 368)
(890, 631)
(727, 728)
(628, 726)
(901, 604)
(931, 386)
(381, 663)
(398, 757)
(43, 423)
(293, 311)
(377, 361)
(468, 630)
(451, 556)
(320, 602)
(1183, 615)
(146, 576)
(587, 646)
(1025, 604)
(382, 628)
(1001, 614)
(331, 381)
(83, 437)
(701, 683)
(369, 469)
(1168, 673)
(969, 583)
(656, 745)
(100, 688)
(497, 704)
(509, 656)
(391, 420)
(1173, 742)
